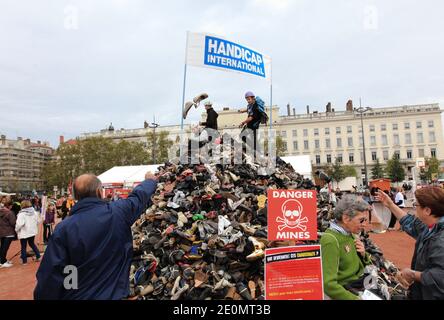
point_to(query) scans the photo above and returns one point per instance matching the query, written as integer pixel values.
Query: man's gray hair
(350, 205)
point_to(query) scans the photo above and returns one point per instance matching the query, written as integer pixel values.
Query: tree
(394, 169)
(94, 155)
(377, 170)
(349, 171)
(159, 144)
(336, 171)
(431, 168)
(280, 144)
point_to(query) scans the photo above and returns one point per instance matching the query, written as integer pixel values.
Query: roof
(128, 174)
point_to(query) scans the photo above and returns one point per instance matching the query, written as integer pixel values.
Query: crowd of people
(20, 218)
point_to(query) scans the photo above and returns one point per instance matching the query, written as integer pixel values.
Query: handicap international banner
(294, 273)
(211, 51)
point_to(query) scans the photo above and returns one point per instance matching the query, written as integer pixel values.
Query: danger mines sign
(292, 215)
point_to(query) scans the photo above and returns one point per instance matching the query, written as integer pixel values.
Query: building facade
(21, 164)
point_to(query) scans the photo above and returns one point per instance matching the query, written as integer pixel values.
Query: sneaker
(6, 265)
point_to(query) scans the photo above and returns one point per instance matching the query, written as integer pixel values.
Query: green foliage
(350, 171)
(336, 171)
(97, 155)
(394, 170)
(377, 170)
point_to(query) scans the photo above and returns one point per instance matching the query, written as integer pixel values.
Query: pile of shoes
(205, 235)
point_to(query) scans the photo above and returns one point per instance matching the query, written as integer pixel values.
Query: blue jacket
(428, 258)
(97, 240)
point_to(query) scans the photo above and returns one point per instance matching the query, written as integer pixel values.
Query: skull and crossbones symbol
(292, 216)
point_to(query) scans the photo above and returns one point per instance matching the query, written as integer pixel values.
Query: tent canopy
(301, 164)
(126, 175)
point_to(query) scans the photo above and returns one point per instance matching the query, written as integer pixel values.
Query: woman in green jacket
(343, 254)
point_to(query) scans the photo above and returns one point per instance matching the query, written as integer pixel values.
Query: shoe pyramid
(205, 234)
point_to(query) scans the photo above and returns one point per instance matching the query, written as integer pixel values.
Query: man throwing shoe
(90, 252)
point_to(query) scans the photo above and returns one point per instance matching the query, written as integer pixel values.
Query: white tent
(126, 175)
(301, 164)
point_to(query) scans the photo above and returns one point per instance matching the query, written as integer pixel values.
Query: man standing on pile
(254, 115)
(89, 254)
(210, 125)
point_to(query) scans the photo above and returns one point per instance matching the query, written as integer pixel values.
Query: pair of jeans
(46, 232)
(34, 248)
(5, 243)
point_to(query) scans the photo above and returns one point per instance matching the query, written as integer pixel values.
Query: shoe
(198, 99)
(6, 265)
(243, 291)
(252, 287)
(187, 108)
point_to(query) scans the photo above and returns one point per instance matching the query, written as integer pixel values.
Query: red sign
(294, 273)
(292, 215)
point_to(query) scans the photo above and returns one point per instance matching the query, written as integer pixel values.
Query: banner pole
(270, 135)
(183, 97)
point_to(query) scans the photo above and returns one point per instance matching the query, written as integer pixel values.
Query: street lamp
(154, 126)
(361, 111)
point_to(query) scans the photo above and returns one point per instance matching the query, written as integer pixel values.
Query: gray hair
(349, 205)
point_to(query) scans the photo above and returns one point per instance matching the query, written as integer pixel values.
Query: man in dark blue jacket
(89, 254)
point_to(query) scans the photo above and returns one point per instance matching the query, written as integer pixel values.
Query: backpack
(261, 106)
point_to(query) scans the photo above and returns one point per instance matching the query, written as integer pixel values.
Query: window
(408, 138)
(383, 127)
(362, 156)
(305, 132)
(384, 140)
(431, 124)
(372, 128)
(395, 126)
(420, 137)
(327, 143)
(374, 156)
(407, 125)
(350, 142)
(433, 152)
(418, 124)
(339, 158)
(373, 140)
(396, 139)
(328, 158)
(295, 133)
(316, 132)
(421, 153)
(360, 141)
(318, 159)
(351, 158)
(349, 129)
(295, 145)
(397, 155)
(327, 131)
(338, 130)
(432, 137)
(339, 142)
(409, 154)
(385, 155)
(317, 146)
(306, 144)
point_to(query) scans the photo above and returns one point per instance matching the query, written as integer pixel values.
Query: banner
(292, 215)
(211, 51)
(294, 273)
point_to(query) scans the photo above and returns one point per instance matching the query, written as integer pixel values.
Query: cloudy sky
(68, 67)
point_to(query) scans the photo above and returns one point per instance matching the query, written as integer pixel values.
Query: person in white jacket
(27, 228)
